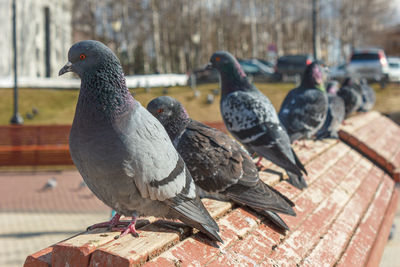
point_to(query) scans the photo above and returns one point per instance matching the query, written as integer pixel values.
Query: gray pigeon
(368, 96)
(123, 153)
(251, 118)
(351, 94)
(50, 184)
(219, 165)
(304, 109)
(335, 115)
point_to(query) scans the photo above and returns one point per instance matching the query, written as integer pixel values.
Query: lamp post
(16, 118)
(315, 28)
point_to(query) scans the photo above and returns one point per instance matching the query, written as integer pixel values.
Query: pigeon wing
(161, 174)
(214, 159)
(304, 113)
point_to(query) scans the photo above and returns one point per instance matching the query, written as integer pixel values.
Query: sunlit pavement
(33, 216)
(23, 233)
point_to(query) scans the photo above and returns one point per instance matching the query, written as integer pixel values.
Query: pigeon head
(103, 85)
(170, 113)
(332, 87)
(88, 57)
(226, 63)
(233, 77)
(313, 77)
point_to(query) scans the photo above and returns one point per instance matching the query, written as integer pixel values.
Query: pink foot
(110, 224)
(301, 144)
(259, 165)
(131, 227)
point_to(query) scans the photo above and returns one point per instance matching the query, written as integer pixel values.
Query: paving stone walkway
(33, 216)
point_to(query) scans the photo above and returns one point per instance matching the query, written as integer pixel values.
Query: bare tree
(180, 35)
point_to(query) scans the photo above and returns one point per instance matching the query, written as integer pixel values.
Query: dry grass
(57, 107)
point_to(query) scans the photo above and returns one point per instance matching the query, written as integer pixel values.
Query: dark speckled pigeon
(304, 109)
(251, 118)
(123, 153)
(350, 92)
(368, 96)
(220, 167)
(335, 114)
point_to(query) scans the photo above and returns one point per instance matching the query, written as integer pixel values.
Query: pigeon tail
(298, 162)
(297, 180)
(260, 197)
(208, 230)
(275, 219)
(278, 157)
(193, 213)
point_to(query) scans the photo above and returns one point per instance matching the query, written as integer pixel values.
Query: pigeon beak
(209, 66)
(65, 69)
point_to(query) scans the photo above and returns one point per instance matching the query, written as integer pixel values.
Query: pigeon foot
(131, 227)
(346, 123)
(259, 165)
(302, 144)
(110, 224)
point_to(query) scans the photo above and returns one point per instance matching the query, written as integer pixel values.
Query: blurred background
(163, 47)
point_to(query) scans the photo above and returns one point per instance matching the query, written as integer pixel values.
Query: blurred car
(394, 69)
(256, 70)
(204, 75)
(370, 63)
(338, 73)
(292, 65)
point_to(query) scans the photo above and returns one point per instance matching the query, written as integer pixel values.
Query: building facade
(43, 36)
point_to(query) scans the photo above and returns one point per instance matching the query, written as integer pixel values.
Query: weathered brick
(130, 251)
(331, 245)
(233, 226)
(359, 247)
(308, 233)
(384, 231)
(42, 258)
(76, 250)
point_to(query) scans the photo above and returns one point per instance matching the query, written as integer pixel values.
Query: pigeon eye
(217, 59)
(82, 56)
(160, 110)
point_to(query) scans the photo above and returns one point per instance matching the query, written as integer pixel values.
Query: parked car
(292, 65)
(255, 69)
(258, 71)
(394, 69)
(369, 63)
(338, 73)
(204, 75)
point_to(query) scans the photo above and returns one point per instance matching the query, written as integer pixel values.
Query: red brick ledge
(376, 137)
(343, 218)
(384, 231)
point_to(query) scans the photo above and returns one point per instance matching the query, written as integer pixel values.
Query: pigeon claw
(130, 229)
(259, 165)
(109, 225)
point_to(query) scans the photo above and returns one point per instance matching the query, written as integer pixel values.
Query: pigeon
(368, 96)
(220, 166)
(123, 153)
(251, 118)
(351, 94)
(210, 98)
(304, 109)
(335, 115)
(50, 184)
